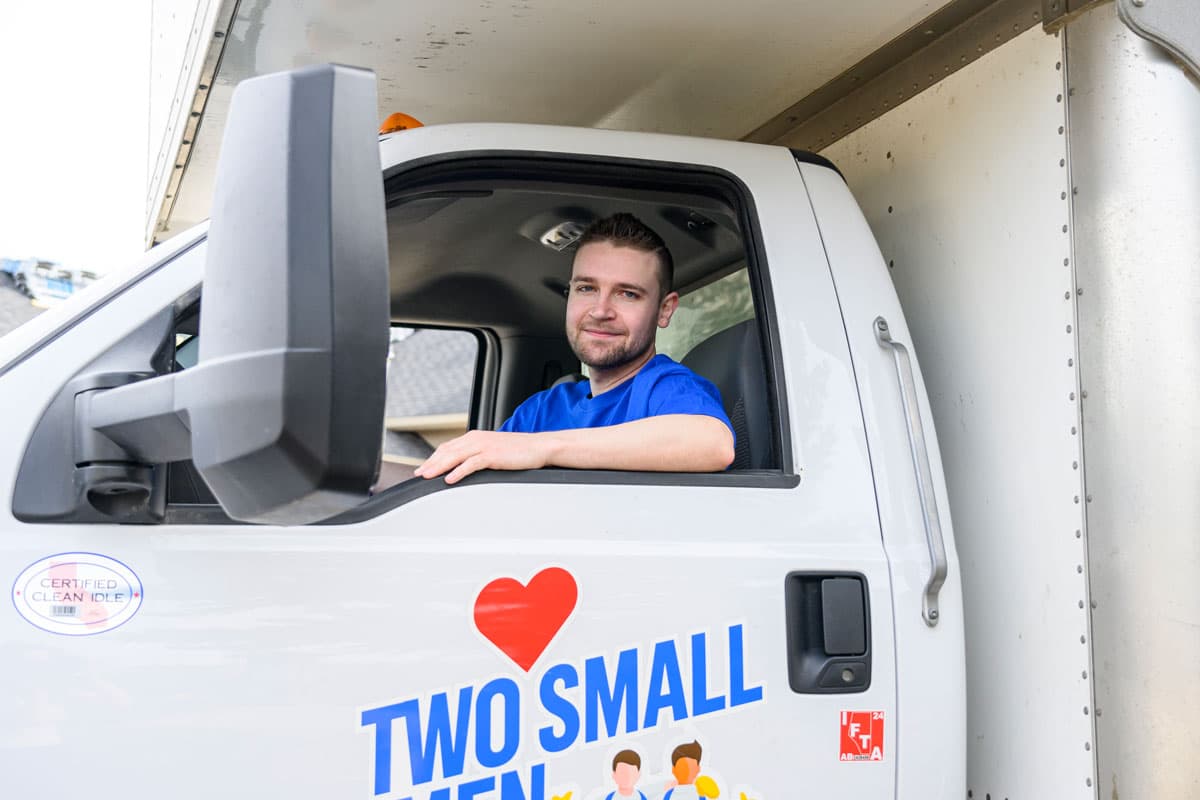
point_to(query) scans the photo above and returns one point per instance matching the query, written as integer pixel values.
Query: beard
(610, 355)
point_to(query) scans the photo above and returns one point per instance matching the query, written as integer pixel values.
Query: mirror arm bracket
(144, 420)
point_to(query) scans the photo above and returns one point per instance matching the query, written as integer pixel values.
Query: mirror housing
(283, 415)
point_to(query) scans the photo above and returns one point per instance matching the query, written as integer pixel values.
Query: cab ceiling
(470, 254)
(695, 67)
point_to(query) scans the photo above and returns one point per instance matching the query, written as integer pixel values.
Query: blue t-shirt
(662, 386)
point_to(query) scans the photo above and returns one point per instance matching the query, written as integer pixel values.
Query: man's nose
(603, 307)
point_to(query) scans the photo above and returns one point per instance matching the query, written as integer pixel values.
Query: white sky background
(74, 110)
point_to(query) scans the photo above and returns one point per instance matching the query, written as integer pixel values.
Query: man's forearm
(668, 443)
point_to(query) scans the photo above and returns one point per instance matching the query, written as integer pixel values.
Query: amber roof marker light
(398, 122)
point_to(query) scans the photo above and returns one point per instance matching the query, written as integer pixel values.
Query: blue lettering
(739, 695)
(382, 718)
(486, 754)
(701, 702)
(437, 794)
(472, 789)
(439, 736)
(560, 707)
(511, 788)
(438, 744)
(600, 699)
(664, 668)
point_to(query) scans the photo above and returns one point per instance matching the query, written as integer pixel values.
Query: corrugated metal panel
(1135, 155)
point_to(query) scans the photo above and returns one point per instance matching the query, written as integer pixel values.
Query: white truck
(207, 599)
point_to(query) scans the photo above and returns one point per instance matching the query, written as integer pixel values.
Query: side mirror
(283, 414)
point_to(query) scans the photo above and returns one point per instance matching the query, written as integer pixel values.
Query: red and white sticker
(862, 736)
(77, 594)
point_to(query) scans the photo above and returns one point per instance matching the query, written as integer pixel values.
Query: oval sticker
(77, 594)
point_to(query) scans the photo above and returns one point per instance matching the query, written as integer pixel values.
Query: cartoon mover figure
(689, 784)
(627, 769)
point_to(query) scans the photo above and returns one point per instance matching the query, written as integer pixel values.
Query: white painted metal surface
(180, 33)
(931, 691)
(256, 651)
(699, 68)
(966, 188)
(1135, 160)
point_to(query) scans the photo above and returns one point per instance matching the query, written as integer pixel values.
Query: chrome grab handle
(920, 458)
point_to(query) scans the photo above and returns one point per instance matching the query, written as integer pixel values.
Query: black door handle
(828, 632)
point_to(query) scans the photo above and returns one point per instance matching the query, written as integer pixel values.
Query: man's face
(686, 770)
(614, 305)
(625, 776)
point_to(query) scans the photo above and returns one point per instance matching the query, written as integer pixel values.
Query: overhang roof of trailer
(700, 67)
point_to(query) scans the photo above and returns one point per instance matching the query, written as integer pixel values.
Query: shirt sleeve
(682, 393)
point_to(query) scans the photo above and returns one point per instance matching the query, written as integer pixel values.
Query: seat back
(733, 361)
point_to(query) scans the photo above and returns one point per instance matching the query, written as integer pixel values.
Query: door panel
(359, 660)
(257, 654)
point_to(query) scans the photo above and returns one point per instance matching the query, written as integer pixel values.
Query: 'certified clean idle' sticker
(77, 594)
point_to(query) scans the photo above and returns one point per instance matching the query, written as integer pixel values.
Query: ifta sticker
(862, 736)
(77, 594)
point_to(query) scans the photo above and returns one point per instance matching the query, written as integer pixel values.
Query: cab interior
(486, 245)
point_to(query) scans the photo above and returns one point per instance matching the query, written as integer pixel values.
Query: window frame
(639, 173)
(575, 168)
(483, 370)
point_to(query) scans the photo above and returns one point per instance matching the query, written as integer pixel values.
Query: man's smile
(601, 334)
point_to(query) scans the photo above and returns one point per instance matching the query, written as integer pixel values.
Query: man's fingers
(431, 467)
(444, 458)
(472, 464)
(458, 458)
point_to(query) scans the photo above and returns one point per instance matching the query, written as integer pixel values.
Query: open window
(486, 243)
(431, 382)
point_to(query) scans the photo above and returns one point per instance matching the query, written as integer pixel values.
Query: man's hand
(668, 443)
(476, 450)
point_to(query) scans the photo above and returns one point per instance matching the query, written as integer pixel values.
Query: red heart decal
(522, 620)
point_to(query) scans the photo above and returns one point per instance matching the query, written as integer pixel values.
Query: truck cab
(211, 597)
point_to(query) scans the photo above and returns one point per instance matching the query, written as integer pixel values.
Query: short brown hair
(626, 230)
(627, 757)
(689, 750)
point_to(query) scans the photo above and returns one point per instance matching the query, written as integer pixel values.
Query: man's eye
(630, 295)
(582, 288)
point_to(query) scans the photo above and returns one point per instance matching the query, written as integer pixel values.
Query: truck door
(547, 634)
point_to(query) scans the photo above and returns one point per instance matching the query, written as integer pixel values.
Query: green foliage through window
(719, 305)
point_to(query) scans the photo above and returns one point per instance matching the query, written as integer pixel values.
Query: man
(639, 411)
(685, 766)
(626, 770)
